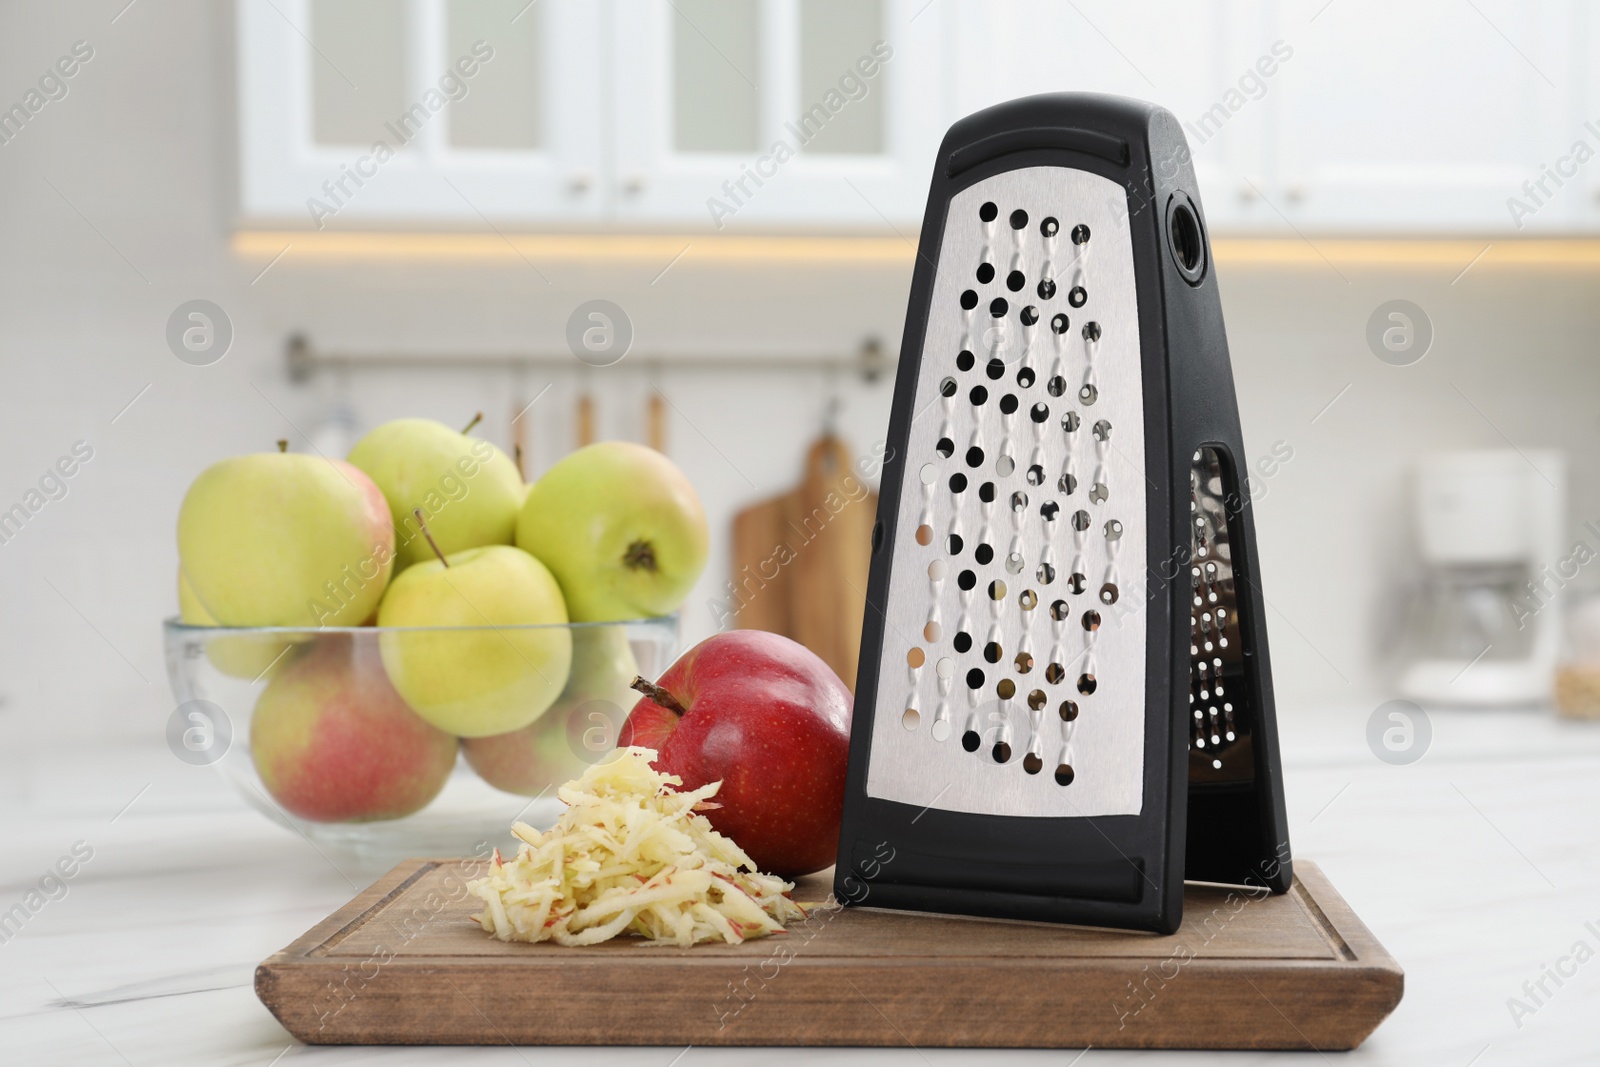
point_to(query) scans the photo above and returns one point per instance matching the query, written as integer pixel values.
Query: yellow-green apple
(771, 721)
(334, 742)
(499, 651)
(247, 656)
(620, 527)
(469, 491)
(285, 539)
(580, 727)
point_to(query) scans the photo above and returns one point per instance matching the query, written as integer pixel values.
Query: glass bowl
(311, 727)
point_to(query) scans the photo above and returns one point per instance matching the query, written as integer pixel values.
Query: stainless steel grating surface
(1012, 680)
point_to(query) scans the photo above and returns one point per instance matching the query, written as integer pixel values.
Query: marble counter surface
(1478, 867)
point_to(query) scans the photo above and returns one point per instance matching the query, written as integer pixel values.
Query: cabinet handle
(581, 181)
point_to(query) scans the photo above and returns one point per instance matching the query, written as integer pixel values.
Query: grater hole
(946, 667)
(1049, 227)
(1064, 775)
(945, 447)
(1005, 464)
(937, 570)
(978, 396)
(1019, 501)
(1025, 377)
(1086, 683)
(1046, 290)
(988, 212)
(1113, 530)
(1019, 219)
(1006, 689)
(985, 273)
(1035, 475)
(1049, 510)
(997, 590)
(1068, 710)
(1030, 315)
(965, 360)
(1067, 483)
(911, 719)
(962, 643)
(1059, 610)
(924, 534)
(975, 678)
(1091, 620)
(1008, 405)
(1080, 234)
(1098, 493)
(1014, 563)
(1055, 674)
(970, 740)
(1028, 600)
(966, 579)
(958, 482)
(998, 307)
(1024, 663)
(1056, 386)
(929, 474)
(1080, 521)
(1102, 430)
(1077, 582)
(1077, 296)
(1088, 394)
(995, 369)
(1039, 413)
(1032, 763)
(969, 299)
(932, 632)
(953, 544)
(1058, 323)
(1070, 422)
(1015, 281)
(1001, 752)
(916, 658)
(986, 492)
(1037, 700)
(974, 456)
(983, 554)
(1046, 574)
(1091, 331)
(948, 387)
(1108, 593)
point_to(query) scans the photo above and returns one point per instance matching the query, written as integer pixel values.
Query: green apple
(334, 742)
(284, 539)
(620, 527)
(247, 656)
(469, 491)
(580, 727)
(506, 655)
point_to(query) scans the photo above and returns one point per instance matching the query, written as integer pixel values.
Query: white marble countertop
(1477, 867)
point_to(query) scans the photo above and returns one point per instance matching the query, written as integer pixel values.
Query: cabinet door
(1422, 116)
(771, 114)
(462, 111)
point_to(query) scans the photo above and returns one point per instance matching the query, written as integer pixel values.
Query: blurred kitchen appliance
(1489, 532)
(1064, 706)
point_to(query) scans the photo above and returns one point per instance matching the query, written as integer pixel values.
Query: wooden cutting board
(403, 963)
(800, 560)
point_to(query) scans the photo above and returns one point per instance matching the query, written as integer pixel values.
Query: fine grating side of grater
(1064, 703)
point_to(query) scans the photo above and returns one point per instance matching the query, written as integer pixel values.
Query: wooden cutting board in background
(800, 559)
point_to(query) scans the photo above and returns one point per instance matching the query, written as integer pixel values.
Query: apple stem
(431, 542)
(659, 695)
(283, 444)
(518, 450)
(475, 420)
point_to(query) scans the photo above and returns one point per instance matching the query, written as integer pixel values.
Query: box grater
(1064, 704)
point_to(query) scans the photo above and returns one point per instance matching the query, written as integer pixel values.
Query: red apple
(771, 721)
(334, 742)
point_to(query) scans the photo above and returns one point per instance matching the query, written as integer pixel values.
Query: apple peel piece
(632, 855)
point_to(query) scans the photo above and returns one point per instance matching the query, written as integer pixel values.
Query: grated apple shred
(631, 855)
